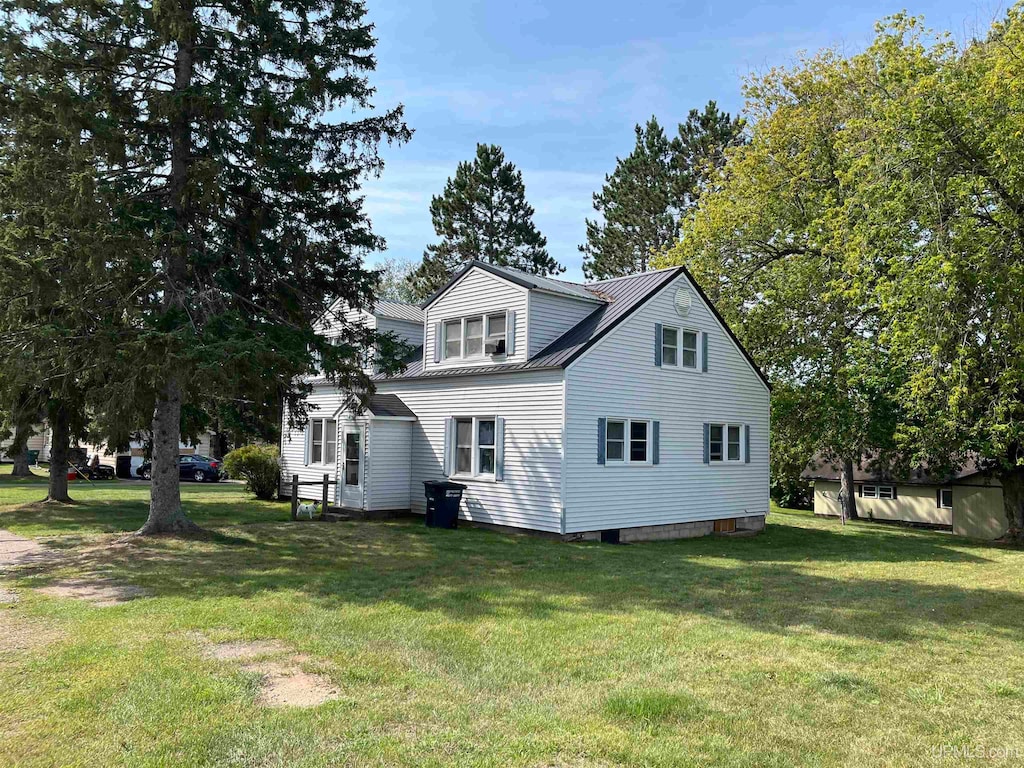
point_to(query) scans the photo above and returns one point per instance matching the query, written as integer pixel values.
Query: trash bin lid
(443, 485)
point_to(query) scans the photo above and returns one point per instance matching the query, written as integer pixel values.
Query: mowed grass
(811, 644)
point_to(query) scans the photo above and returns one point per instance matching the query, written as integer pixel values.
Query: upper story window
(474, 336)
(678, 347)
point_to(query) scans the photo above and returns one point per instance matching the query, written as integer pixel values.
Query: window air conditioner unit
(495, 347)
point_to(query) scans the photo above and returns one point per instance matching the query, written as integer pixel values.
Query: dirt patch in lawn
(8, 596)
(16, 551)
(285, 685)
(283, 682)
(98, 592)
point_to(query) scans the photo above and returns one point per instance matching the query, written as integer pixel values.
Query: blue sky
(559, 84)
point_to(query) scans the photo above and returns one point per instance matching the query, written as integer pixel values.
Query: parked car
(190, 467)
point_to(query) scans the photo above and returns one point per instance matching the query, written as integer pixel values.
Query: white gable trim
(711, 311)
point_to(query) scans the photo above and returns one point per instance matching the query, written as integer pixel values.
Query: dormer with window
(488, 315)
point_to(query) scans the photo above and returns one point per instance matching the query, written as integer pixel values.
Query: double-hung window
(689, 349)
(725, 443)
(323, 444)
(452, 339)
(474, 337)
(627, 441)
(670, 346)
(496, 334)
(946, 498)
(475, 446)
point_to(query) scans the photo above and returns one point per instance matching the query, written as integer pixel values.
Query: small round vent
(683, 301)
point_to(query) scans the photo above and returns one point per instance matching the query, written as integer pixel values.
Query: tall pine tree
(482, 214)
(216, 141)
(644, 198)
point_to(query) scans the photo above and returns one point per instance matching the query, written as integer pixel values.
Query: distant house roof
(863, 472)
(526, 280)
(398, 311)
(615, 300)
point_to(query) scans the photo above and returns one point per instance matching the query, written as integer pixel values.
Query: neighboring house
(622, 406)
(39, 442)
(968, 503)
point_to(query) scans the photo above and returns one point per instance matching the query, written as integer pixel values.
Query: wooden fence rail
(325, 498)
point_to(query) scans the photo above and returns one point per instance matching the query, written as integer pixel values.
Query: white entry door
(352, 468)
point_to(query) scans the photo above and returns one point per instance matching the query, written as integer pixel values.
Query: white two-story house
(624, 409)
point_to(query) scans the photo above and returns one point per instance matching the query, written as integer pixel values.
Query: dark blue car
(201, 469)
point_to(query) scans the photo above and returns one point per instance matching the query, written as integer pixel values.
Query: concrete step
(335, 517)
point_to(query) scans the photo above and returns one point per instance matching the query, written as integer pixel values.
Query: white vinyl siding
(409, 332)
(294, 446)
(388, 452)
(528, 496)
(617, 376)
(476, 295)
(551, 316)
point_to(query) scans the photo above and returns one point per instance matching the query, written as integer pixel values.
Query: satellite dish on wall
(683, 301)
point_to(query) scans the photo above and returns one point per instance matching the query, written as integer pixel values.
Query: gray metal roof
(398, 311)
(388, 405)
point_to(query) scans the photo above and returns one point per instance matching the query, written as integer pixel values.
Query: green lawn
(808, 645)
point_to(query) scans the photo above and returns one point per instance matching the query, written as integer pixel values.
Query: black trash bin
(443, 499)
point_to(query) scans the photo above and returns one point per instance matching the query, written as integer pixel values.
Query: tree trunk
(19, 452)
(847, 492)
(60, 432)
(165, 512)
(1013, 503)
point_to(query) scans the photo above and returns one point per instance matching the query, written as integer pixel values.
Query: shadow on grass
(465, 575)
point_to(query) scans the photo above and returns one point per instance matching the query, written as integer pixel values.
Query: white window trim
(725, 443)
(942, 491)
(323, 420)
(625, 461)
(484, 317)
(474, 473)
(678, 365)
(876, 491)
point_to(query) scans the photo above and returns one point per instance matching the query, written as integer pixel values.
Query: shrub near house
(258, 465)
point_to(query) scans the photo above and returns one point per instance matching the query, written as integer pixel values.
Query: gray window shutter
(657, 344)
(746, 443)
(510, 333)
(656, 443)
(894, 493)
(703, 351)
(860, 490)
(499, 448)
(449, 432)
(601, 427)
(938, 498)
(438, 341)
(306, 437)
(707, 443)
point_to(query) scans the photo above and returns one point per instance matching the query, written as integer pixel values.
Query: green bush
(258, 465)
